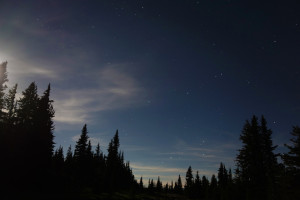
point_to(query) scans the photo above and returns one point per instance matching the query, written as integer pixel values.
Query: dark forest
(33, 168)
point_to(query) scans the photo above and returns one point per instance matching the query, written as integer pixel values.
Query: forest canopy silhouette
(31, 166)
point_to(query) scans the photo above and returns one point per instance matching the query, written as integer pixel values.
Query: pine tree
(69, 156)
(11, 106)
(166, 188)
(189, 182)
(27, 108)
(151, 186)
(292, 163)
(58, 159)
(44, 132)
(113, 164)
(58, 169)
(292, 158)
(270, 164)
(27, 147)
(98, 154)
(141, 185)
(6, 141)
(205, 187)
(3, 80)
(178, 185)
(82, 145)
(256, 161)
(159, 185)
(198, 186)
(81, 158)
(213, 188)
(222, 176)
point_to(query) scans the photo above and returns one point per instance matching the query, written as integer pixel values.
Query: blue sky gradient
(178, 79)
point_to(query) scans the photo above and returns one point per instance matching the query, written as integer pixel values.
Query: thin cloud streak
(152, 172)
(114, 90)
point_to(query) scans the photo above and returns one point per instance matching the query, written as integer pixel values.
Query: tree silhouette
(11, 106)
(3, 80)
(256, 160)
(205, 186)
(141, 184)
(159, 186)
(178, 185)
(198, 186)
(292, 162)
(213, 187)
(189, 182)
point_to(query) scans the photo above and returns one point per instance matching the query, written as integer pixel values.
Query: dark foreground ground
(104, 196)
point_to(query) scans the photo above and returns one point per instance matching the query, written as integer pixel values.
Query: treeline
(258, 175)
(30, 164)
(220, 187)
(91, 171)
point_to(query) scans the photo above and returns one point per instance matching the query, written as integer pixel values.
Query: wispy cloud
(166, 174)
(156, 169)
(113, 89)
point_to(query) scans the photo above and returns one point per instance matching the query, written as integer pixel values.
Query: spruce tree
(213, 188)
(179, 185)
(292, 158)
(11, 106)
(3, 80)
(44, 131)
(205, 187)
(82, 145)
(28, 108)
(189, 181)
(28, 144)
(141, 185)
(198, 186)
(292, 163)
(159, 185)
(256, 161)
(6, 141)
(81, 158)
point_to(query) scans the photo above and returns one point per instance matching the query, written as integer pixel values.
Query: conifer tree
(151, 186)
(171, 187)
(205, 187)
(27, 145)
(189, 181)
(197, 186)
(222, 176)
(27, 107)
(292, 158)
(292, 163)
(256, 161)
(58, 159)
(98, 154)
(166, 187)
(213, 188)
(178, 185)
(82, 145)
(159, 185)
(6, 153)
(141, 185)
(81, 158)
(69, 155)
(11, 106)
(3, 80)
(44, 129)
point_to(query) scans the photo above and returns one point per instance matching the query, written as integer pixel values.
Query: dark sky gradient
(177, 78)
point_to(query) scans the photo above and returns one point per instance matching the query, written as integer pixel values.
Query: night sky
(178, 79)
